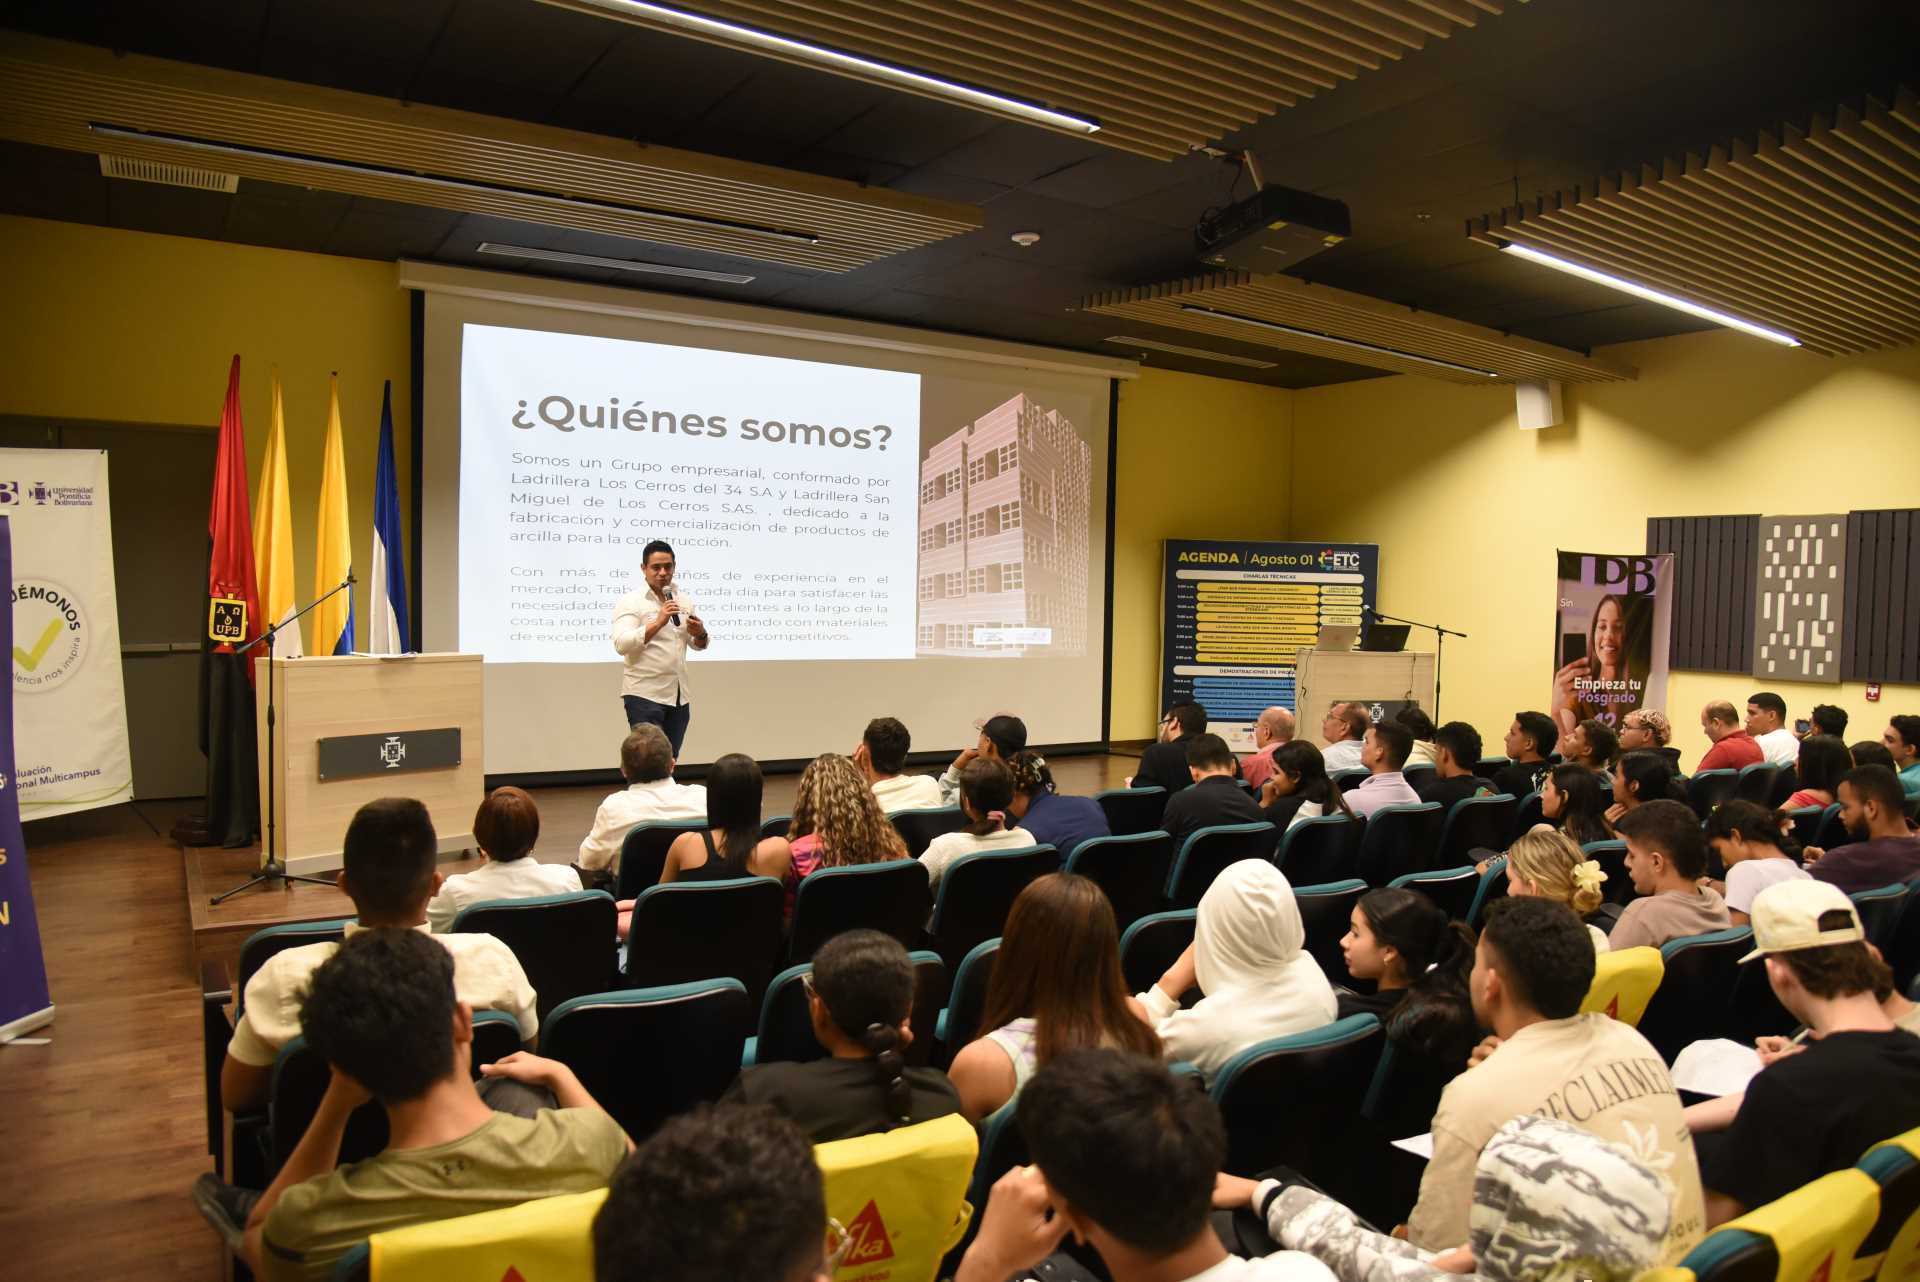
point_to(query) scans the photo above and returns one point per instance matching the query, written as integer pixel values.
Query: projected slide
(789, 490)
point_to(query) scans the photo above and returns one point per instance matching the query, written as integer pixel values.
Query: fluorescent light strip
(448, 184)
(1000, 104)
(617, 264)
(1651, 295)
(1128, 340)
(1335, 339)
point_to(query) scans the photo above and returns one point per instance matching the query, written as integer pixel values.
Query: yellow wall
(1468, 509)
(1198, 458)
(128, 327)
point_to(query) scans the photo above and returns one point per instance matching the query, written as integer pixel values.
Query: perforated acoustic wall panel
(1160, 77)
(85, 99)
(1882, 637)
(1713, 580)
(1813, 231)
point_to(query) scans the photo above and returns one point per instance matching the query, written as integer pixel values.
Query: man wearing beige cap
(1858, 1081)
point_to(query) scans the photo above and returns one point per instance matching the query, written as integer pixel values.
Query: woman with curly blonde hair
(837, 821)
(1547, 864)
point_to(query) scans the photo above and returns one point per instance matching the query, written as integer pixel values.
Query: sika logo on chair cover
(902, 1197)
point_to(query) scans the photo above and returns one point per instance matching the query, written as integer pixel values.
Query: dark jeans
(668, 717)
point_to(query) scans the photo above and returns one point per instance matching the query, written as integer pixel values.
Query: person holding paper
(652, 631)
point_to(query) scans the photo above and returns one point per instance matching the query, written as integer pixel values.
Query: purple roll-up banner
(25, 1003)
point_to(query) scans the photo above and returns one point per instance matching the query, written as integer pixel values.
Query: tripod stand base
(274, 874)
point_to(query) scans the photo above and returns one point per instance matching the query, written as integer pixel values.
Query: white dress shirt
(1781, 747)
(656, 669)
(908, 792)
(522, 878)
(636, 804)
(1344, 755)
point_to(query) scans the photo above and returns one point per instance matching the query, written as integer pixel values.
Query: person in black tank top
(730, 846)
(718, 867)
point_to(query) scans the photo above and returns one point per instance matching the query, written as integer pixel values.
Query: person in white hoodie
(1249, 961)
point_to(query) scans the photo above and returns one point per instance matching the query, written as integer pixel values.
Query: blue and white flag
(387, 630)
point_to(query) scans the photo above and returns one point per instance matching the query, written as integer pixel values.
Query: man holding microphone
(652, 630)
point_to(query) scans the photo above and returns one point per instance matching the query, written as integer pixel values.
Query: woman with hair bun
(1547, 864)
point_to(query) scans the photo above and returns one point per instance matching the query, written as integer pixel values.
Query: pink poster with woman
(1610, 637)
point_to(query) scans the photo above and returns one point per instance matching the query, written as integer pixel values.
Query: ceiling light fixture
(919, 81)
(445, 184)
(616, 264)
(1200, 353)
(1335, 339)
(1651, 295)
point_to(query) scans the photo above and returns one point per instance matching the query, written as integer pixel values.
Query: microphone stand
(1440, 636)
(273, 872)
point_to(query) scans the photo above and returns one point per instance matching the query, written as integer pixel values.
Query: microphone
(666, 594)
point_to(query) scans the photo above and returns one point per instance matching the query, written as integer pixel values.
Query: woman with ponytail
(859, 995)
(1419, 962)
(1548, 865)
(986, 795)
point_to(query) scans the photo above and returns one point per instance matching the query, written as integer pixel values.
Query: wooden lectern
(350, 728)
(1322, 677)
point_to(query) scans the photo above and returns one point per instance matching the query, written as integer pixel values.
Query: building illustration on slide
(1004, 524)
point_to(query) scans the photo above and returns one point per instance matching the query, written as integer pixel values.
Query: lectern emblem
(393, 752)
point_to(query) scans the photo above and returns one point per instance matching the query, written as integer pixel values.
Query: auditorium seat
(1205, 853)
(1131, 810)
(566, 943)
(977, 891)
(1002, 1147)
(643, 854)
(1786, 781)
(1694, 1000)
(1397, 839)
(1475, 824)
(1493, 885)
(893, 898)
(1832, 831)
(1755, 784)
(1754, 1009)
(1326, 911)
(1612, 858)
(263, 945)
(1288, 1101)
(1812, 1233)
(1490, 764)
(1708, 788)
(1451, 888)
(693, 930)
(1131, 869)
(646, 1054)
(1623, 983)
(777, 826)
(1525, 816)
(1903, 953)
(918, 828)
(1880, 911)
(1892, 1247)
(1806, 823)
(1320, 849)
(1152, 944)
(785, 1032)
(1349, 779)
(959, 1023)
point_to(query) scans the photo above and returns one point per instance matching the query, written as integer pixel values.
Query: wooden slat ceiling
(51, 92)
(1393, 336)
(1161, 77)
(1814, 232)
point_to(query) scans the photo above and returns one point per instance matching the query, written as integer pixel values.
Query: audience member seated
(882, 758)
(1530, 741)
(1299, 789)
(837, 822)
(1419, 963)
(1883, 850)
(1216, 797)
(1828, 719)
(505, 828)
(1274, 728)
(986, 795)
(1641, 777)
(1869, 753)
(1249, 962)
(1000, 737)
(651, 796)
(1648, 730)
(1454, 776)
(1748, 840)
(1344, 731)
(1544, 864)
(1822, 761)
(1164, 764)
(1053, 818)
(1056, 988)
(1856, 1083)
(1425, 752)
(1550, 1201)
(383, 1013)
(730, 846)
(1767, 723)
(1531, 971)
(1592, 745)
(860, 998)
(386, 869)
(1732, 747)
(1902, 742)
(1383, 753)
(1572, 800)
(1666, 858)
(1125, 1157)
(721, 1194)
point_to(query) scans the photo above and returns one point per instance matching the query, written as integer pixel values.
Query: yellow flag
(333, 559)
(273, 536)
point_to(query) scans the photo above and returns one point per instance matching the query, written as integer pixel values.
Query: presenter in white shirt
(652, 631)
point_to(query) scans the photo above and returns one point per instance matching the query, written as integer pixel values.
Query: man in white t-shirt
(1124, 1158)
(882, 756)
(1767, 723)
(387, 869)
(1531, 971)
(646, 761)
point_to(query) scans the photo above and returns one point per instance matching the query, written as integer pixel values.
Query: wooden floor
(102, 1130)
